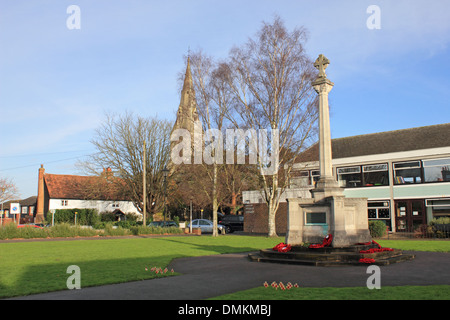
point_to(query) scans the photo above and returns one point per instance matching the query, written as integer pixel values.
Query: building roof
(419, 138)
(61, 186)
(30, 201)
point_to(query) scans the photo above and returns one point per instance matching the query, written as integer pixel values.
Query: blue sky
(56, 84)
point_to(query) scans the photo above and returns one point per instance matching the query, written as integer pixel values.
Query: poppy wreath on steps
(367, 260)
(282, 247)
(325, 243)
(374, 250)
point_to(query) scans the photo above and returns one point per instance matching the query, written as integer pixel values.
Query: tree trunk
(271, 223)
(214, 196)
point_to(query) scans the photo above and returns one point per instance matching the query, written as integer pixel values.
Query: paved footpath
(210, 276)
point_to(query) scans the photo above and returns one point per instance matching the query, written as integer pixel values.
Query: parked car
(163, 224)
(206, 225)
(232, 222)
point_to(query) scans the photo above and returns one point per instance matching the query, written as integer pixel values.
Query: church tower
(187, 110)
(187, 117)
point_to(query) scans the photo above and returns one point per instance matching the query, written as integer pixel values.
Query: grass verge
(441, 292)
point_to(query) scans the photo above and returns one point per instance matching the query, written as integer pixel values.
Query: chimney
(40, 197)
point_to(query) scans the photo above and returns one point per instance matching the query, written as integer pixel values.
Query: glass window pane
(348, 170)
(436, 170)
(350, 180)
(377, 178)
(436, 162)
(315, 176)
(375, 167)
(407, 176)
(383, 213)
(410, 164)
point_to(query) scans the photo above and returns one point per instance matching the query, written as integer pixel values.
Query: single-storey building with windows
(25, 214)
(404, 174)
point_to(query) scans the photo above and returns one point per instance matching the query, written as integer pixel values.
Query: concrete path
(210, 276)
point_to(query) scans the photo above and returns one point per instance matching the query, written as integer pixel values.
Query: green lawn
(33, 267)
(417, 245)
(385, 293)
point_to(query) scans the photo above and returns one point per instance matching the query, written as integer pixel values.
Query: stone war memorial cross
(335, 227)
(328, 211)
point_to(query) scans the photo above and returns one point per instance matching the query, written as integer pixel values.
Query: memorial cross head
(321, 64)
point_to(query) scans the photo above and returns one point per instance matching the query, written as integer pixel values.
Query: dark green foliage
(85, 217)
(377, 228)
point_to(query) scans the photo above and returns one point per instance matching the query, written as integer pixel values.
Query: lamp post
(165, 173)
(190, 219)
(144, 186)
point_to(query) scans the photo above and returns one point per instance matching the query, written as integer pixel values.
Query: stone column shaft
(323, 87)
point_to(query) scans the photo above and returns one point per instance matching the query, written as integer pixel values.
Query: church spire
(187, 110)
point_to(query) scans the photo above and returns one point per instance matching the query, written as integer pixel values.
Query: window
(64, 203)
(436, 170)
(349, 177)
(115, 205)
(376, 175)
(378, 210)
(305, 179)
(301, 180)
(314, 177)
(24, 210)
(439, 207)
(407, 172)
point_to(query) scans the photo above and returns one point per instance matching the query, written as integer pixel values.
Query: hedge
(86, 217)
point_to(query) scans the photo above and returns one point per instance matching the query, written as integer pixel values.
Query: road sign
(15, 208)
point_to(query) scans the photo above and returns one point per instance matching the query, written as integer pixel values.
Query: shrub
(441, 220)
(61, 230)
(10, 231)
(65, 230)
(117, 231)
(440, 227)
(377, 228)
(140, 230)
(126, 224)
(107, 217)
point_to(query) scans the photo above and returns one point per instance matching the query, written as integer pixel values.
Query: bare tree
(270, 78)
(212, 107)
(8, 190)
(119, 144)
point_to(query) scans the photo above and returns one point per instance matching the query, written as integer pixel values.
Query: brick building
(59, 191)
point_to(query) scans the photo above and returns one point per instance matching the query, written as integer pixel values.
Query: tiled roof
(30, 201)
(384, 142)
(62, 186)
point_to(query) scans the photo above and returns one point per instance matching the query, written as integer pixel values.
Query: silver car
(206, 225)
